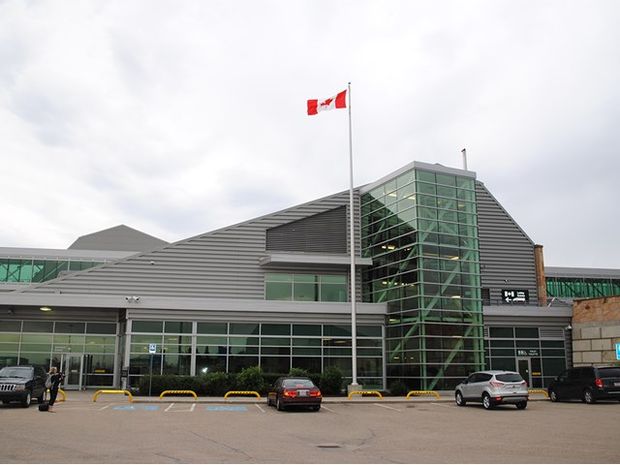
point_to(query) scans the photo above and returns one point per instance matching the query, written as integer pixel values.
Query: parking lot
(114, 431)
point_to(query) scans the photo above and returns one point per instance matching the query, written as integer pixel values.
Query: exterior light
(45, 309)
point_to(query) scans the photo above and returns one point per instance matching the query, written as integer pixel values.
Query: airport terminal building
(446, 283)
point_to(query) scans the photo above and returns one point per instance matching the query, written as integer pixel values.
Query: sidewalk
(87, 396)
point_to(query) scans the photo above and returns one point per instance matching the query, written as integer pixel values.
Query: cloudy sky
(180, 117)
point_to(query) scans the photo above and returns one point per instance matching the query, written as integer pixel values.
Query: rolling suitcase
(44, 407)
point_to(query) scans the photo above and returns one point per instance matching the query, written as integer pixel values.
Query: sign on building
(152, 348)
(510, 296)
(618, 351)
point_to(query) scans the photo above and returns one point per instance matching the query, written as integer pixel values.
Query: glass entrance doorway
(524, 367)
(72, 365)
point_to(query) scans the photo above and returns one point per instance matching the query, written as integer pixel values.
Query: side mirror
(464, 381)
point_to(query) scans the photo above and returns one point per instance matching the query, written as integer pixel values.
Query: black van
(586, 383)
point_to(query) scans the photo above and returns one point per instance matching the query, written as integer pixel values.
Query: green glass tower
(420, 229)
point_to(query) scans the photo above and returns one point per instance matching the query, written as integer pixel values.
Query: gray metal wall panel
(506, 252)
(220, 264)
(322, 233)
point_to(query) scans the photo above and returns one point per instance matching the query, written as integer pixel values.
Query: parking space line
(442, 405)
(328, 409)
(193, 407)
(259, 408)
(169, 407)
(103, 408)
(388, 407)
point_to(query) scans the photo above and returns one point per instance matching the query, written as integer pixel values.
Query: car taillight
(599, 383)
(289, 393)
(315, 393)
(496, 384)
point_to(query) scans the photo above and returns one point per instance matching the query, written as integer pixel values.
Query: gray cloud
(182, 118)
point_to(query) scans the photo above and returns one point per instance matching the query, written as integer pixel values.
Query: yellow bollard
(230, 393)
(422, 393)
(363, 393)
(178, 392)
(112, 391)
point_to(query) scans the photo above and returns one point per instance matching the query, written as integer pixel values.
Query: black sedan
(294, 391)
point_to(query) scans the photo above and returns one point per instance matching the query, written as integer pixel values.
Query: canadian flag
(338, 101)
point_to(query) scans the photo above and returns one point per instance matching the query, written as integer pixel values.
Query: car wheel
(268, 402)
(315, 408)
(458, 398)
(588, 396)
(521, 405)
(553, 396)
(279, 405)
(486, 401)
(27, 401)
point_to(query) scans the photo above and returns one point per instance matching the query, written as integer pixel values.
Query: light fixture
(45, 309)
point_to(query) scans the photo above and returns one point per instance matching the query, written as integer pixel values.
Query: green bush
(299, 372)
(398, 388)
(162, 383)
(218, 383)
(251, 379)
(330, 381)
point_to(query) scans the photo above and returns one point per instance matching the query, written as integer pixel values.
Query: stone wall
(596, 330)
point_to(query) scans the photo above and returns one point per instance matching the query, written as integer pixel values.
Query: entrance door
(72, 366)
(524, 367)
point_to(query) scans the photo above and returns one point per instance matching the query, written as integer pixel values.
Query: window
(306, 287)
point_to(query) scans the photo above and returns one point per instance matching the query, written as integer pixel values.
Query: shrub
(162, 383)
(398, 388)
(299, 372)
(218, 383)
(251, 379)
(330, 381)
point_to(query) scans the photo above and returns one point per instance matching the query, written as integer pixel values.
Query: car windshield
(509, 378)
(610, 372)
(298, 383)
(16, 372)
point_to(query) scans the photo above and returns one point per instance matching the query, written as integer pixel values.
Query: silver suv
(492, 388)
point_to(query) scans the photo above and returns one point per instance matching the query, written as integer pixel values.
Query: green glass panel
(425, 176)
(38, 327)
(276, 341)
(26, 271)
(13, 271)
(4, 269)
(305, 291)
(138, 326)
(213, 340)
(10, 326)
(276, 329)
(424, 188)
(279, 277)
(333, 293)
(306, 351)
(304, 278)
(333, 279)
(307, 330)
(101, 328)
(212, 328)
(183, 327)
(306, 341)
(243, 341)
(243, 328)
(278, 291)
(75, 328)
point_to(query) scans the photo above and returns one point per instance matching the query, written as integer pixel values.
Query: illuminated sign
(510, 296)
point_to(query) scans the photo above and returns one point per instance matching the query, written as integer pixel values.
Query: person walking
(56, 378)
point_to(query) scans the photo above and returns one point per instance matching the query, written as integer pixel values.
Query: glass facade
(306, 287)
(16, 270)
(514, 348)
(232, 346)
(573, 288)
(46, 343)
(420, 229)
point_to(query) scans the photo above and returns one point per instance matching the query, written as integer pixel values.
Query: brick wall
(596, 330)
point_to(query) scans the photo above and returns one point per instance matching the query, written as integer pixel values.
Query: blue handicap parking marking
(123, 407)
(227, 408)
(132, 408)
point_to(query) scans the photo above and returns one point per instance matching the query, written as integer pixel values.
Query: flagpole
(352, 250)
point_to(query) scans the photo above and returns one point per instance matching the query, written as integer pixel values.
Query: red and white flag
(338, 101)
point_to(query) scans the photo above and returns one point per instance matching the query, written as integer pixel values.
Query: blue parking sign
(618, 351)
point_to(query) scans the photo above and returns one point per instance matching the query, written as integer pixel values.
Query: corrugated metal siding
(220, 264)
(506, 252)
(322, 233)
